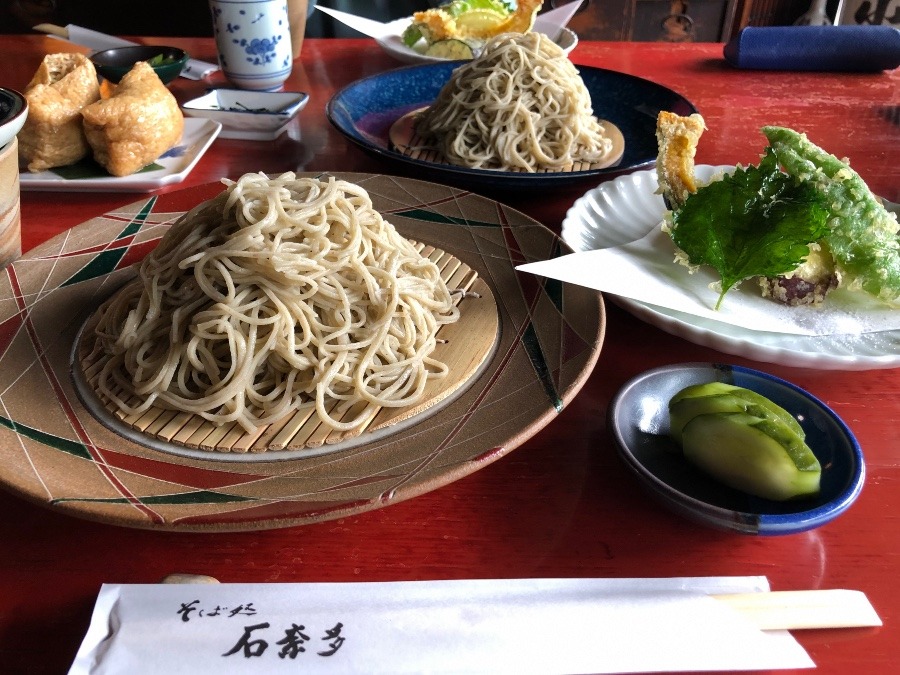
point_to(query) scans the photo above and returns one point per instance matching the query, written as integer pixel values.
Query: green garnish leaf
(757, 221)
(160, 60)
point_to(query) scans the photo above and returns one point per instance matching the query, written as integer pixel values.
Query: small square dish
(249, 115)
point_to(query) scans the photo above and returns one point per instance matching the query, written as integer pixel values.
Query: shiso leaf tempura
(755, 222)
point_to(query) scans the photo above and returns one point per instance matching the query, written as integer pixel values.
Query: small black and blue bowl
(167, 62)
(639, 422)
(13, 113)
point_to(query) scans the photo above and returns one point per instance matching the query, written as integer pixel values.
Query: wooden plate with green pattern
(56, 453)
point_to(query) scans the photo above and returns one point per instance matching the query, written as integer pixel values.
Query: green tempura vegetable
(863, 235)
(411, 35)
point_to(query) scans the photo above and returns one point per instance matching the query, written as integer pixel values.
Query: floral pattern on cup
(260, 51)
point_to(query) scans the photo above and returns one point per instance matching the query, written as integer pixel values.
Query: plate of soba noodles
(518, 114)
(273, 351)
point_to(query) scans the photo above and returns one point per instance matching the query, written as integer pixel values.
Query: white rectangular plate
(173, 167)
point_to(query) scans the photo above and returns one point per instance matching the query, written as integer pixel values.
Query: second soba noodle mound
(274, 293)
(520, 105)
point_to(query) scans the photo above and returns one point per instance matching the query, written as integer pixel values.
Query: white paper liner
(644, 270)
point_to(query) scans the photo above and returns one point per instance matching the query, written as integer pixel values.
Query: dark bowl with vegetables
(167, 62)
(640, 421)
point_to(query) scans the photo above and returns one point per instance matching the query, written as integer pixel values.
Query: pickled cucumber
(705, 389)
(762, 457)
(683, 411)
(680, 416)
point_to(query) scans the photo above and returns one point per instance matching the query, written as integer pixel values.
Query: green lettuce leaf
(757, 221)
(458, 7)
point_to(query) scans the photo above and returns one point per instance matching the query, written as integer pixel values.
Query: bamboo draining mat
(405, 139)
(463, 346)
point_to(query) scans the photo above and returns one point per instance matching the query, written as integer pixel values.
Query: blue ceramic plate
(365, 110)
(639, 421)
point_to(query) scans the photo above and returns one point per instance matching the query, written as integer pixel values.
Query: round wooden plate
(56, 453)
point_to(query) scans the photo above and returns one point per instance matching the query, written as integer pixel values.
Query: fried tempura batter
(139, 122)
(677, 138)
(437, 24)
(52, 135)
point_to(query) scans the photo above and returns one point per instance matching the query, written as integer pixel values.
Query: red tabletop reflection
(561, 505)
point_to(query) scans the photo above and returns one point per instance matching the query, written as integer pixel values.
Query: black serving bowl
(13, 112)
(167, 62)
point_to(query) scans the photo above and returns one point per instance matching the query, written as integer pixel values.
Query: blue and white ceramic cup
(253, 39)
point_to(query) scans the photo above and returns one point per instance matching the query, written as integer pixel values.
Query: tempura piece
(134, 126)
(441, 24)
(60, 89)
(864, 235)
(851, 240)
(677, 138)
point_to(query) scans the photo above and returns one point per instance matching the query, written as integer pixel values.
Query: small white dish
(248, 115)
(172, 168)
(13, 112)
(392, 43)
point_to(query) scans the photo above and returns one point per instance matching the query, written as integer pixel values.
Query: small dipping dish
(249, 115)
(639, 422)
(167, 62)
(13, 113)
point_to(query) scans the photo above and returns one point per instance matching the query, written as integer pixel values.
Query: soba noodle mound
(272, 294)
(519, 106)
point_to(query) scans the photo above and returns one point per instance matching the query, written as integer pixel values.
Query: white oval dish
(627, 208)
(392, 43)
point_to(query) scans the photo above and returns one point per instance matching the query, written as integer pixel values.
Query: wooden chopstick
(52, 29)
(791, 610)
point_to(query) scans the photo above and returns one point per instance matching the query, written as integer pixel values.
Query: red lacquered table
(562, 504)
